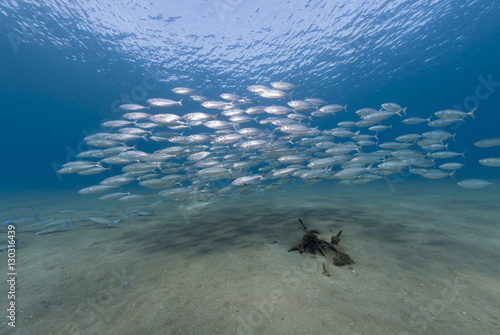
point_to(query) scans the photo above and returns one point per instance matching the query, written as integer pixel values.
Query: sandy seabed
(426, 258)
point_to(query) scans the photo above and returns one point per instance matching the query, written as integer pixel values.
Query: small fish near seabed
(56, 226)
(104, 221)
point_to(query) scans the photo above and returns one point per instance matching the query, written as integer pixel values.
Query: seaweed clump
(311, 243)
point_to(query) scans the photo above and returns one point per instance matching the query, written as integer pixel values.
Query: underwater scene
(265, 167)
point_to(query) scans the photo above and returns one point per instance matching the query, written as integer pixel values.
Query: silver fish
(474, 183)
(159, 103)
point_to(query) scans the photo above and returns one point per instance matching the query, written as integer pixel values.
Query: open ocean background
(425, 251)
(65, 65)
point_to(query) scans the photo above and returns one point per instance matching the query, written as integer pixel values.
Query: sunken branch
(311, 243)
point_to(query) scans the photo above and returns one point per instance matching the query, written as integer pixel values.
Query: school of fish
(239, 144)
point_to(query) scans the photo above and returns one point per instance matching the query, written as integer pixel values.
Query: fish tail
(471, 113)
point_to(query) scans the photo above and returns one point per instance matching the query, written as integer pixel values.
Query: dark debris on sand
(311, 243)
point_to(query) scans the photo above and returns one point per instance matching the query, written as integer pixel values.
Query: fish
(282, 85)
(379, 116)
(272, 94)
(132, 107)
(246, 180)
(445, 154)
(227, 138)
(322, 162)
(49, 222)
(300, 104)
(113, 196)
(293, 159)
(379, 128)
(160, 103)
(454, 114)
(53, 228)
(316, 101)
(95, 189)
(231, 96)
(392, 107)
(439, 135)
(117, 181)
(351, 172)
(331, 109)
(257, 88)
(474, 183)
(240, 119)
(444, 122)
(198, 98)
(213, 104)
(104, 221)
(295, 129)
(191, 117)
(136, 116)
(365, 111)
(437, 174)
(277, 110)
(218, 124)
(315, 173)
(255, 110)
(408, 138)
(492, 162)
(487, 143)
(134, 197)
(183, 91)
(77, 168)
(165, 119)
(415, 120)
(451, 166)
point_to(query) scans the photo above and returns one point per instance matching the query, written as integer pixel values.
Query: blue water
(67, 65)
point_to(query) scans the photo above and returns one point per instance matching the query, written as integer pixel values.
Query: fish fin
(471, 113)
(180, 102)
(401, 110)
